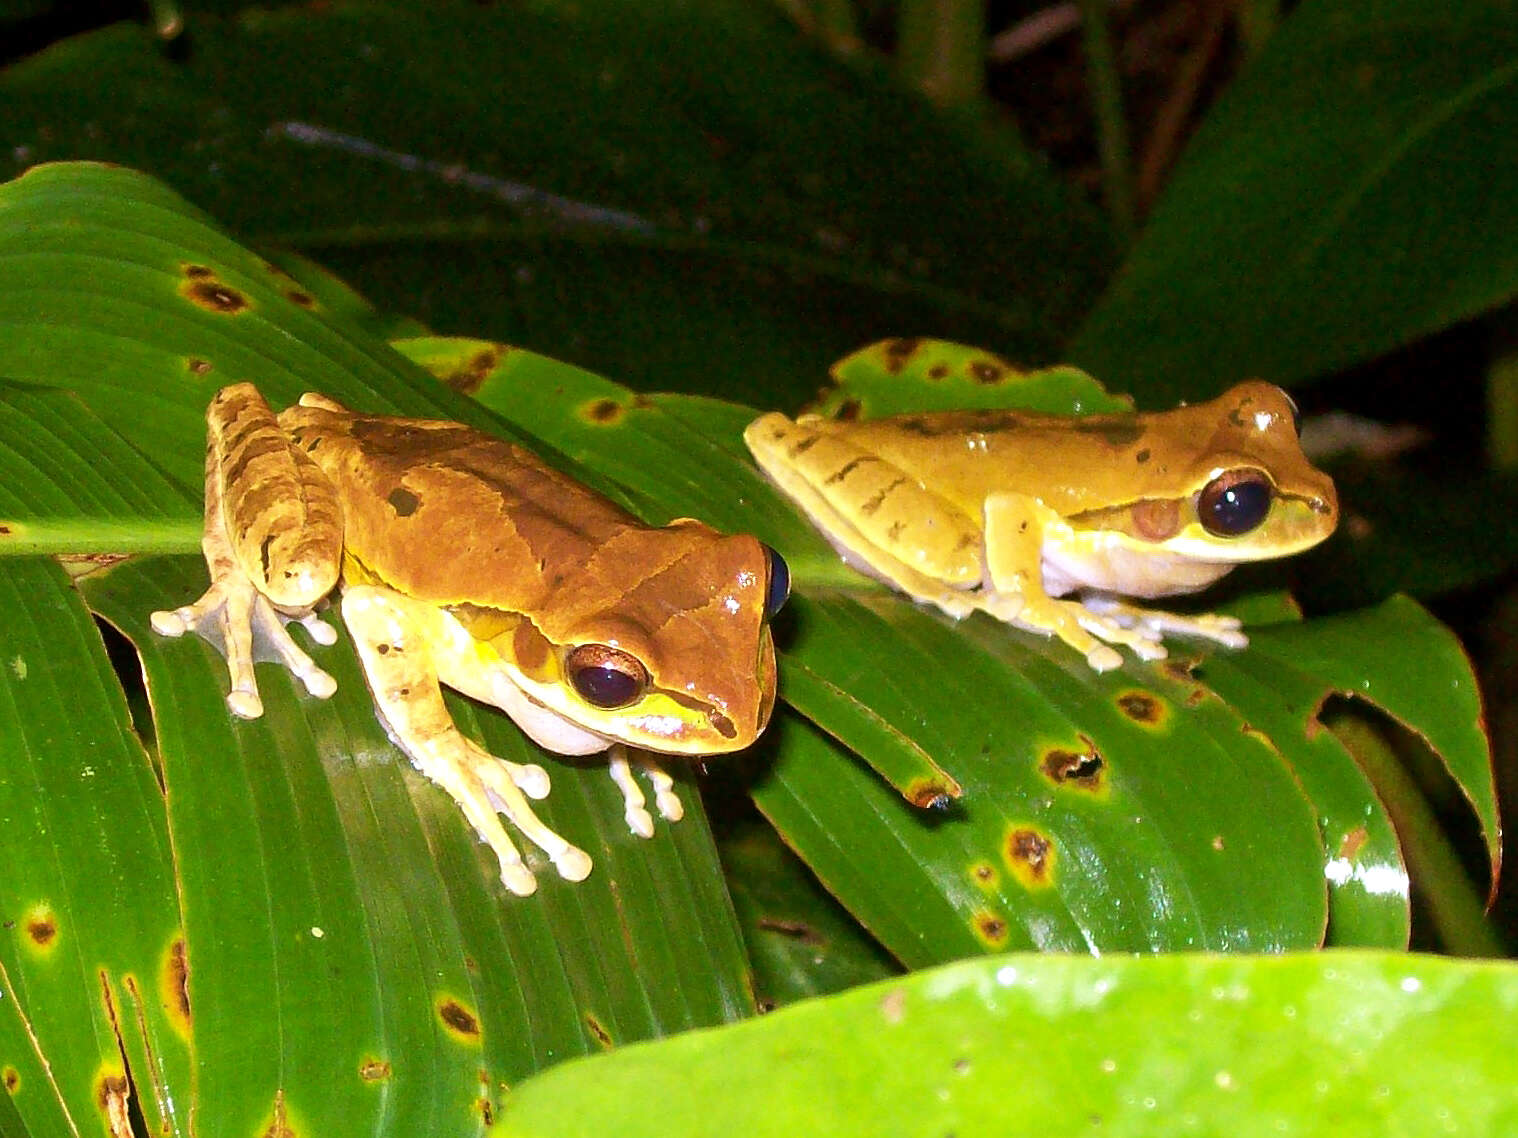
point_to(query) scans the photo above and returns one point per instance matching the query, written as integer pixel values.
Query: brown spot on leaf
(1353, 843)
(112, 1093)
(300, 297)
(12, 1079)
(990, 929)
(174, 987)
(198, 366)
(898, 352)
(849, 411)
(1030, 856)
(459, 1020)
(487, 1112)
(203, 288)
(5, 530)
(471, 375)
(42, 927)
(1142, 707)
(1082, 768)
(931, 794)
(602, 412)
(983, 873)
(602, 1036)
(374, 1070)
(796, 930)
(938, 371)
(986, 371)
(403, 502)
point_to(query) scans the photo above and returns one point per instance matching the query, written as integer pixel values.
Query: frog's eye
(780, 584)
(606, 677)
(1234, 503)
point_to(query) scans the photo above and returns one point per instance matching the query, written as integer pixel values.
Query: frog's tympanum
(466, 560)
(1006, 511)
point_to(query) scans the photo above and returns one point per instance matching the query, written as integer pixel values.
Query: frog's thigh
(403, 680)
(1014, 527)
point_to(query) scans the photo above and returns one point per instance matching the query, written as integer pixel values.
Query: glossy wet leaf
(1350, 192)
(653, 190)
(1313, 1045)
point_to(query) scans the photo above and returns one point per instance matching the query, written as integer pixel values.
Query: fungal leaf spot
(898, 353)
(1144, 708)
(41, 926)
(461, 1023)
(174, 987)
(12, 1079)
(598, 1032)
(602, 412)
(1082, 767)
(984, 874)
(1030, 856)
(374, 1070)
(990, 929)
(202, 287)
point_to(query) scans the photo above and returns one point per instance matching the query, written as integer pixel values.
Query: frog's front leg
(1224, 630)
(634, 805)
(403, 678)
(1015, 528)
(272, 544)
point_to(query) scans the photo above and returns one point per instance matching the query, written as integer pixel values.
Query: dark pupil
(1230, 507)
(605, 687)
(780, 584)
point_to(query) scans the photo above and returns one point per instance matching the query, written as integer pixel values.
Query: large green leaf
(1352, 191)
(353, 963)
(688, 195)
(1135, 810)
(91, 948)
(1314, 1045)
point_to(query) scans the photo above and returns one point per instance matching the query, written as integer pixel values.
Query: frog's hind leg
(272, 544)
(403, 678)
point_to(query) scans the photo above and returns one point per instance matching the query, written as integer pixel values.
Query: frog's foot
(1155, 623)
(243, 625)
(403, 678)
(634, 807)
(1074, 625)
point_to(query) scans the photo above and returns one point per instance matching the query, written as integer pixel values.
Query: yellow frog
(1006, 511)
(466, 560)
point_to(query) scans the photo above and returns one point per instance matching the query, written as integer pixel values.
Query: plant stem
(1111, 124)
(941, 49)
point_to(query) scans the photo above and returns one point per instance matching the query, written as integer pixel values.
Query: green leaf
(91, 952)
(1313, 1045)
(801, 941)
(767, 199)
(1351, 192)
